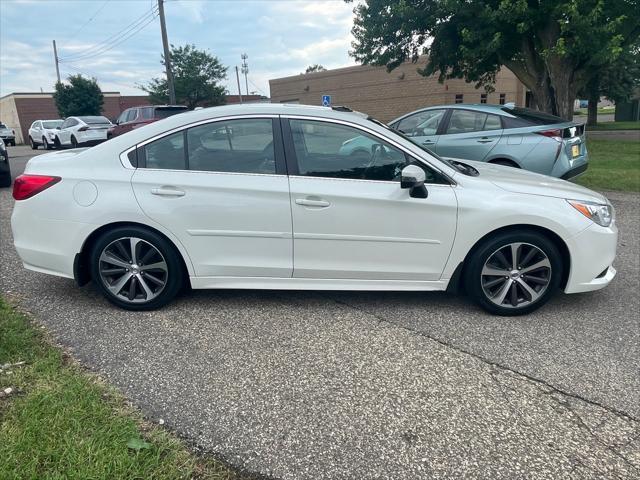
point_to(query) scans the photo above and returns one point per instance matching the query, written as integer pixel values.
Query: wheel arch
(456, 282)
(505, 158)
(81, 264)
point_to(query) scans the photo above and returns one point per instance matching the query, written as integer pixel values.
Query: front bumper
(592, 254)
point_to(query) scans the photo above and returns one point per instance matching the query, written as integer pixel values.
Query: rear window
(164, 112)
(94, 120)
(525, 117)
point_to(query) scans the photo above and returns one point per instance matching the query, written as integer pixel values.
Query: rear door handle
(167, 192)
(485, 140)
(307, 202)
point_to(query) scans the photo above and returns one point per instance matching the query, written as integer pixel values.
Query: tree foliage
(81, 96)
(196, 77)
(315, 68)
(554, 47)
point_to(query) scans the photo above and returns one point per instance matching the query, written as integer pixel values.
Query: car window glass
(122, 117)
(339, 151)
(131, 116)
(464, 121)
(166, 153)
(421, 123)
(146, 113)
(239, 146)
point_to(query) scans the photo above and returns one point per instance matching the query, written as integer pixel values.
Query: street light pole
(245, 70)
(167, 55)
(238, 80)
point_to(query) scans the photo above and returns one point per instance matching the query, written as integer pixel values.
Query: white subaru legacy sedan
(264, 196)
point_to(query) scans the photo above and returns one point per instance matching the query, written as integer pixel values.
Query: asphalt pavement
(326, 385)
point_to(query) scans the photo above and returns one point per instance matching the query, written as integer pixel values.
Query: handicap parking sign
(326, 100)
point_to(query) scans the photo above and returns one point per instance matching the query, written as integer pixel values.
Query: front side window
(122, 117)
(421, 123)
(338, 151)
(237, 146)
(465, 121)
(131, 116)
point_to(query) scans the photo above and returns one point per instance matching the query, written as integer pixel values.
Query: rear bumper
(576, 171)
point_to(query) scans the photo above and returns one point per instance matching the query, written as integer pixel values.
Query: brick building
(19, 110)
(385, 95)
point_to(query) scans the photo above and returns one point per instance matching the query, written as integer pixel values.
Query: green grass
(63, 423)
(616, 126)
(613, 165)
(601, 110)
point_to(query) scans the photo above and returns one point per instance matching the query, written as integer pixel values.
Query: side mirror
(413, 177)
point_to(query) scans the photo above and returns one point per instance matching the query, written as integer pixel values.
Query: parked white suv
(43, 132)
(263, 196)
(82, 131)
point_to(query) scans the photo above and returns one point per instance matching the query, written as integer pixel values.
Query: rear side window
(465, 121)
(237, 146)
(164, 112)
(525, 117)
(234, 146)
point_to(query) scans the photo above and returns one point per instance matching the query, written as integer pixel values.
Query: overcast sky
(281, 37)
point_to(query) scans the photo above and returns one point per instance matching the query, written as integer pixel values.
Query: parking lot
(369, 385)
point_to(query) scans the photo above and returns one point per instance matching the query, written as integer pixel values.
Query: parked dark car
(138, 116)
(5, 172)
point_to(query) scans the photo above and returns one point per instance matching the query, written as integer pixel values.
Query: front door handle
(167, 192)
(428, 142)
(485, 140)
(308, 202)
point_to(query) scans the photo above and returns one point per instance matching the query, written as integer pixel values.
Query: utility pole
(245, 70)
(55, 56)
(238, 80)
(167, 56)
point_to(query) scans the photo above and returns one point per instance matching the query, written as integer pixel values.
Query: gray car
(502, 134)
(8, 135)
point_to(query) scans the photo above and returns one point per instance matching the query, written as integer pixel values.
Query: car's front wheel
(74, 142)
(32, 144)
(514, 273)
(46, 144)
(136, 268)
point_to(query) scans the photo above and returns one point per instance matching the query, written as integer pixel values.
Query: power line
(117, 38)
(88, 21)
(84, 71)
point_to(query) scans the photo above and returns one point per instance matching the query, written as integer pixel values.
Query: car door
(35, 132)
(469, 135)
(221, 188)
(351, 219)
(423, 127)
(64, 134)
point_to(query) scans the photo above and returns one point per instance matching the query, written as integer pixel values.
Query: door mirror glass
(413, 177)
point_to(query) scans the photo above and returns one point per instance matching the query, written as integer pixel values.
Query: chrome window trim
(393, 142)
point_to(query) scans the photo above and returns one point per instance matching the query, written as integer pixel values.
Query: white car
(258, 196)
(43, 132)
(7, 135)
(82, 131)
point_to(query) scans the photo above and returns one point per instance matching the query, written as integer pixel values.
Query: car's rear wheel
(32, 144)
(136, 268)
(74, 142)
(514, 273)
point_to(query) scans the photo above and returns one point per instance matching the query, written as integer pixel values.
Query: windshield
(459, 166)
(52, 123)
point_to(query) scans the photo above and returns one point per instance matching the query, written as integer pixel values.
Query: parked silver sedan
(501, 134)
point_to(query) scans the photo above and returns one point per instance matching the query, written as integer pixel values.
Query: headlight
(601, 214)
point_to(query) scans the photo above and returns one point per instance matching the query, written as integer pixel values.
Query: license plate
(575, 151)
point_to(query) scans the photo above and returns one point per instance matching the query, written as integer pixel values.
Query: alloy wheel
(516, 275)
(133, 270)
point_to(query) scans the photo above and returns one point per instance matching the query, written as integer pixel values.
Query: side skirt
(270, 283)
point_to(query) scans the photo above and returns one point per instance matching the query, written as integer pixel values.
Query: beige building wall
(387, 95)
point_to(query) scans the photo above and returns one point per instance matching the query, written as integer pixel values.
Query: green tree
(554, 47)
(196, 74)
(315, 68)
(81, 96)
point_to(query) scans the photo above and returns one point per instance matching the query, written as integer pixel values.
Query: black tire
(32, 144)
(13, 142)
(74, 142)
(473, 277)
(56, 142)
(174, 280)
(46, 144)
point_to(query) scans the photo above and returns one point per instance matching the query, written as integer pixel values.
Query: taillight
(556, 134)
(26, 186)
(83, 129)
